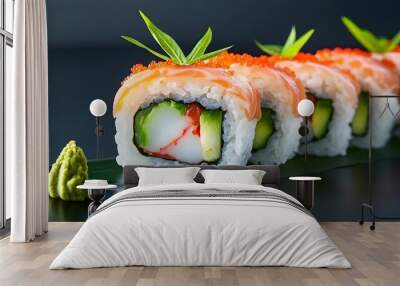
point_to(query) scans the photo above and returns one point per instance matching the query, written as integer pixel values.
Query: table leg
(305, 193)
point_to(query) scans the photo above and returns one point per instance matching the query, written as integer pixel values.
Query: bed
(199, 224)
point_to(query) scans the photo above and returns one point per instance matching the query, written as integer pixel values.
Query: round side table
(96, 194)
(305, 187)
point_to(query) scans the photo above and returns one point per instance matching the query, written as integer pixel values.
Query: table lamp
(98, 108)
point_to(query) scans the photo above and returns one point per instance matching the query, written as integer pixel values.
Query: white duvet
(200, 231)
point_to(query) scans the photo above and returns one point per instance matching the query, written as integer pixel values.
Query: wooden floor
(375, 257)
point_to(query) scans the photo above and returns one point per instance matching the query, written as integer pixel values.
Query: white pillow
(164, 176)
(248, 177)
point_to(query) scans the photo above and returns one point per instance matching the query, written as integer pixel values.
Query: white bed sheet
(200, 231)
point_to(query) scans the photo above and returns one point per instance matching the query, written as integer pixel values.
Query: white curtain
(27, 148)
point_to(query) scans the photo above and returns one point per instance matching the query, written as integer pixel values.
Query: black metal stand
(305, 193)
(305, 190)
(372, 212)
(96, 196)
(369, 205)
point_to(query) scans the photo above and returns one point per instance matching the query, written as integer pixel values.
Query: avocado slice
(321, 118)
(140, 137)
(146, 119)
(264, 129)
(211, 134)
(359, 125)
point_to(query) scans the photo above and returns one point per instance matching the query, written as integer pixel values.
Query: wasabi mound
(69, 171)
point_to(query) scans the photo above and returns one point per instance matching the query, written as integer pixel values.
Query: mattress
(201, 225)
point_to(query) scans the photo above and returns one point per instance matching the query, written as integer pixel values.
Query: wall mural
(221, 107)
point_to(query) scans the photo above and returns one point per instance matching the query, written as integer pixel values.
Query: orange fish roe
(226, 59)
(153, 65)
(347, 51)
(356, 52)
(300, 57)
(223, 60)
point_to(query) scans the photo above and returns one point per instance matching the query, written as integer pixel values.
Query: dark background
(88, 60)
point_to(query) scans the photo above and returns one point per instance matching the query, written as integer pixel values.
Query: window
(6, 62)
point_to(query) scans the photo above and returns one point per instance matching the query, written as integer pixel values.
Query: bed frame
(271, 177)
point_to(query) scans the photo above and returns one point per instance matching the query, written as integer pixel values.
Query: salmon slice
(136, 87)
(307, 66)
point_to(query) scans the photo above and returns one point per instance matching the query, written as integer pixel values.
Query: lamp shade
(305, 107)
(98, 107)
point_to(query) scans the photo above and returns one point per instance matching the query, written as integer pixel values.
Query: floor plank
(375, 257)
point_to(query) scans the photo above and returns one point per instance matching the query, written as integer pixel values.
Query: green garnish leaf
(201, 46)
(212, 54)
(270, 49)
(171, 47)
(394, 42)
(290, 39)
(291, 47)
(166, 42)
(368, 40)
(364, 37)
(292, 50)
(140, 45)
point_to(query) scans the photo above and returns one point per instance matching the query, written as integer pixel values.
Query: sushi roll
(376, 78)
(178, 111)
(170, 114)
(333, 92)
(335, 96)
(276, 136)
